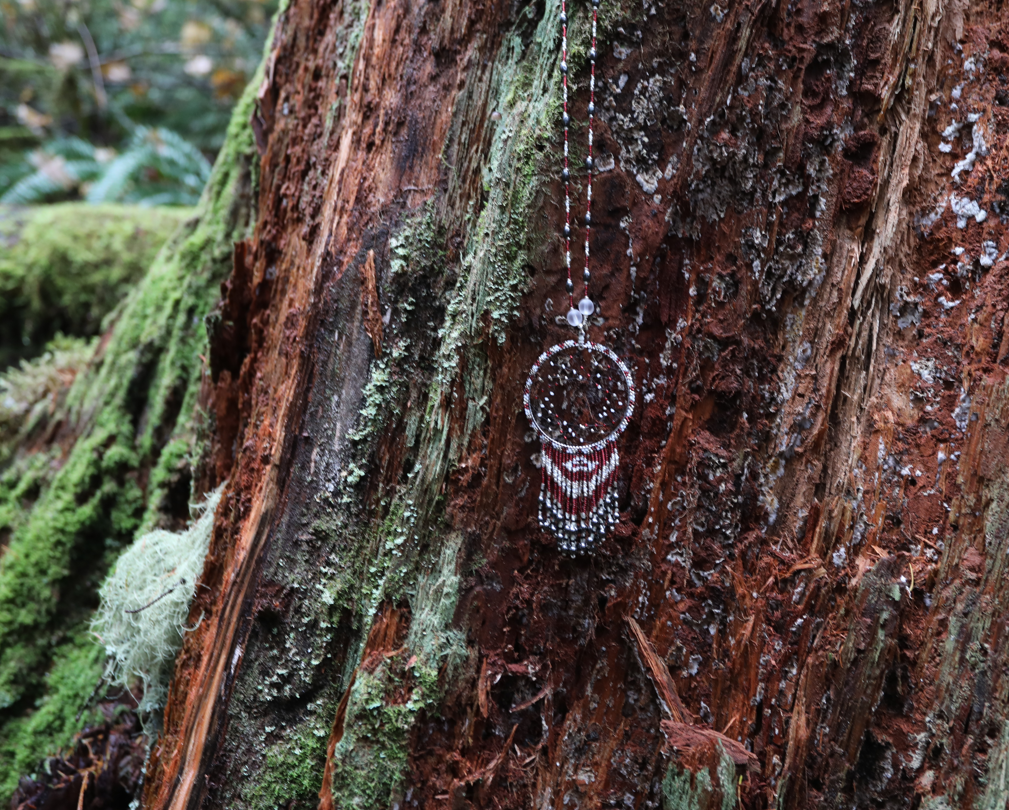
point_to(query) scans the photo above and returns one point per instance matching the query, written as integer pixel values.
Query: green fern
(157, 167)
(36, 187)
(110, 186)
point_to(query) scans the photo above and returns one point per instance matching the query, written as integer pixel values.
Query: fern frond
(34, 188)
(70, 148)
(83, 170)
(116, 175)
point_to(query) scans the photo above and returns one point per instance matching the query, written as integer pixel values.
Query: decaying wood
(683, 736)
(680, 731)
(812, 491)
(369, 303)
(659, 673)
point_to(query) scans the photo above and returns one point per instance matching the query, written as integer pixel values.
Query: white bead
(586, 307)
(575, 317)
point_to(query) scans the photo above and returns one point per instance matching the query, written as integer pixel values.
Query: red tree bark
(811, 290)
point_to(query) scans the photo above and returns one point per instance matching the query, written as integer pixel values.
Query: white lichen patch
(990, 254)
(145, 603)
(978, 149)
(965, 208)
(926, 369)
(961, 414)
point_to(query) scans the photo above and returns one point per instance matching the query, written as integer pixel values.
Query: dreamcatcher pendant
(579, 397)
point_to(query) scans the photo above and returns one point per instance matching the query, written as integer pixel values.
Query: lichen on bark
(809, 534)
(387, 564)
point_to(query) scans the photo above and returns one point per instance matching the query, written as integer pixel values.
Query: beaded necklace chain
(579, 396)
(578, 317)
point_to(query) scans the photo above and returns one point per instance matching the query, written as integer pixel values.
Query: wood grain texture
(812, 490)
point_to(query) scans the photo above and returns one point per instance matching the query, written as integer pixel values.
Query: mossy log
(800, 249)
(63, 268)
(98, 442)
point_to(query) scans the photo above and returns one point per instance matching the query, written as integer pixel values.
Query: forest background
(111, 115)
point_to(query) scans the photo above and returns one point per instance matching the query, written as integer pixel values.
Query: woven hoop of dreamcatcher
(579, 397)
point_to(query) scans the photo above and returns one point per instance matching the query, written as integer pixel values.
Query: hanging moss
(63, 268)
(145, 603)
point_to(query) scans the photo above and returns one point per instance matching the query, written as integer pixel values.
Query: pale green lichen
(370, 760)
(965, 646)
(492, 275)
(394, 548)
(145, 602)
(683, 790)
(686, 790)
(381, 396)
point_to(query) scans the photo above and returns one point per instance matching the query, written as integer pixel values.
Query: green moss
(60, 712)
(296, 767)
(493, 273)
(684, 790)
(65, 267)
(371, 759)
(391, 546)
(405, 555)
(133, 411)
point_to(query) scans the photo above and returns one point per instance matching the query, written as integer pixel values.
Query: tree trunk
(799, 249)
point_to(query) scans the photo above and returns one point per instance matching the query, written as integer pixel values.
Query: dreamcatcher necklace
(579, 396)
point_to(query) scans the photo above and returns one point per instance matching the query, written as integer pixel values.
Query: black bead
(564, 67)
(570, 285)
(588, 163)
(592, 54)
(567, 229)
(565, 175)
(588, 218)
(564, 19)
(595, 3)
(592, 108)
(586, 276)
(566, 119)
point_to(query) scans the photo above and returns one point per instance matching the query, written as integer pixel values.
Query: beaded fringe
(577, 502)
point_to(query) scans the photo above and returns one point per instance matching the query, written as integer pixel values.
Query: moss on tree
(128, 441)
(398, 554)
(63, 268)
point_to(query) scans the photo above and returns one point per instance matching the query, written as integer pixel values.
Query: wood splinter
(679, 729)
